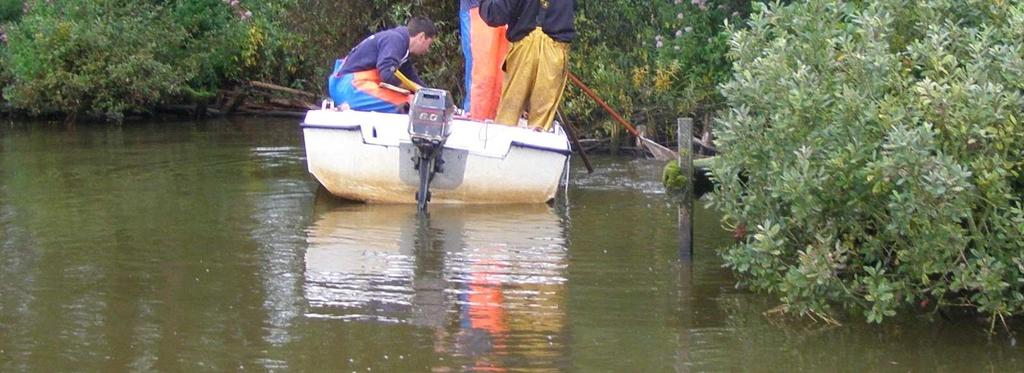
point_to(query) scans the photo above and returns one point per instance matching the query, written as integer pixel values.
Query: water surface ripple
(181, 246)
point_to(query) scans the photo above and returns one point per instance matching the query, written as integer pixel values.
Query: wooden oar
(659, 151)
(571, 131)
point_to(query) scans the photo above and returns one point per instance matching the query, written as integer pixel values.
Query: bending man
(381, 58)
(537, 63)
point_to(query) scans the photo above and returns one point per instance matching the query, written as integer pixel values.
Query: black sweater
(521, 17)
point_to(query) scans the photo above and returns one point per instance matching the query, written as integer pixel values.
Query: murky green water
(197, 247)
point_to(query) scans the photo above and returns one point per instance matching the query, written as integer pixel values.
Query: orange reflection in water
(489, 280)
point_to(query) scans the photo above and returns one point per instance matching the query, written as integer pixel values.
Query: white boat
(369, 157)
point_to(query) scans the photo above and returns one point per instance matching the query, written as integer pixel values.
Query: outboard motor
(429, 117)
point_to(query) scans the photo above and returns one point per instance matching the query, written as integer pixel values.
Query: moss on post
(673, 179)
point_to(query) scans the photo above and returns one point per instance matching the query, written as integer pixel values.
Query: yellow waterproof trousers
(535, 73)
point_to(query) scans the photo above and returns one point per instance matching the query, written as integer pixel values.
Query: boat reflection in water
(489, 280)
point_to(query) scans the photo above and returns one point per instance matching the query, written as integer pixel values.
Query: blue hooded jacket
(386, 51)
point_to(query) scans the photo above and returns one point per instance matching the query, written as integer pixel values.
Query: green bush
(10, 10)
(271, 51)
(606, 61)
(668, 65)
(108, 57)
(101, 57)
(692, 47)
(873, 152)
(211, 43)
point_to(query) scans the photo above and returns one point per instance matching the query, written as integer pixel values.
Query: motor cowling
(430, 116)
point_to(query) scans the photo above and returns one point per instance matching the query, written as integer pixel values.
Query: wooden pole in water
(685, 133)
(575, 139)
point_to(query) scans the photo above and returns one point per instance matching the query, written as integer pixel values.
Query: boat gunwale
(358, 128)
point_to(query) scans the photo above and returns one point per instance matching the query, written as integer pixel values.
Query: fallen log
(274, 113)
(176, 109)
(278, 88)
(704, 146)
(195, 111)
(292, 104)
(235, 99)
(251, 106)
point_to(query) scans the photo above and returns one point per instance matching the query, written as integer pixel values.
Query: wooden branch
(278, 88)
(704, 145)
(275, 113)
(293, 104)
(236, 98)
(251, 106)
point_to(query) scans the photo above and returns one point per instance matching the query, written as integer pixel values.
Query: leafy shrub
(10, 10)
(272, 51)
(873, 151)
(211, 43)
(605, 61)
(666, 66)
(91, 56)
(111, 56)
(691, 50)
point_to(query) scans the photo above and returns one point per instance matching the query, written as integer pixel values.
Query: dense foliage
(89, 56)
(10, 10)
(692, 51)
(667, 64)
(873, 152)
(143, 53)
(108, 57)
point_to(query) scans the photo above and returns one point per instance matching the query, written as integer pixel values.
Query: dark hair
(422, 24)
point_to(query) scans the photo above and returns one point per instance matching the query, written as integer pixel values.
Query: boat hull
(368, 157)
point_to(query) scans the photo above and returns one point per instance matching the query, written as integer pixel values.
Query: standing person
(382, 58)
(484, 48)
(537, 63)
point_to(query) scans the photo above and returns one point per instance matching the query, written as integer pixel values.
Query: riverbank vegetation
(111, 58)
(871, 156)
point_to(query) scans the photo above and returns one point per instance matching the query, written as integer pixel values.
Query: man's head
(421, 35)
